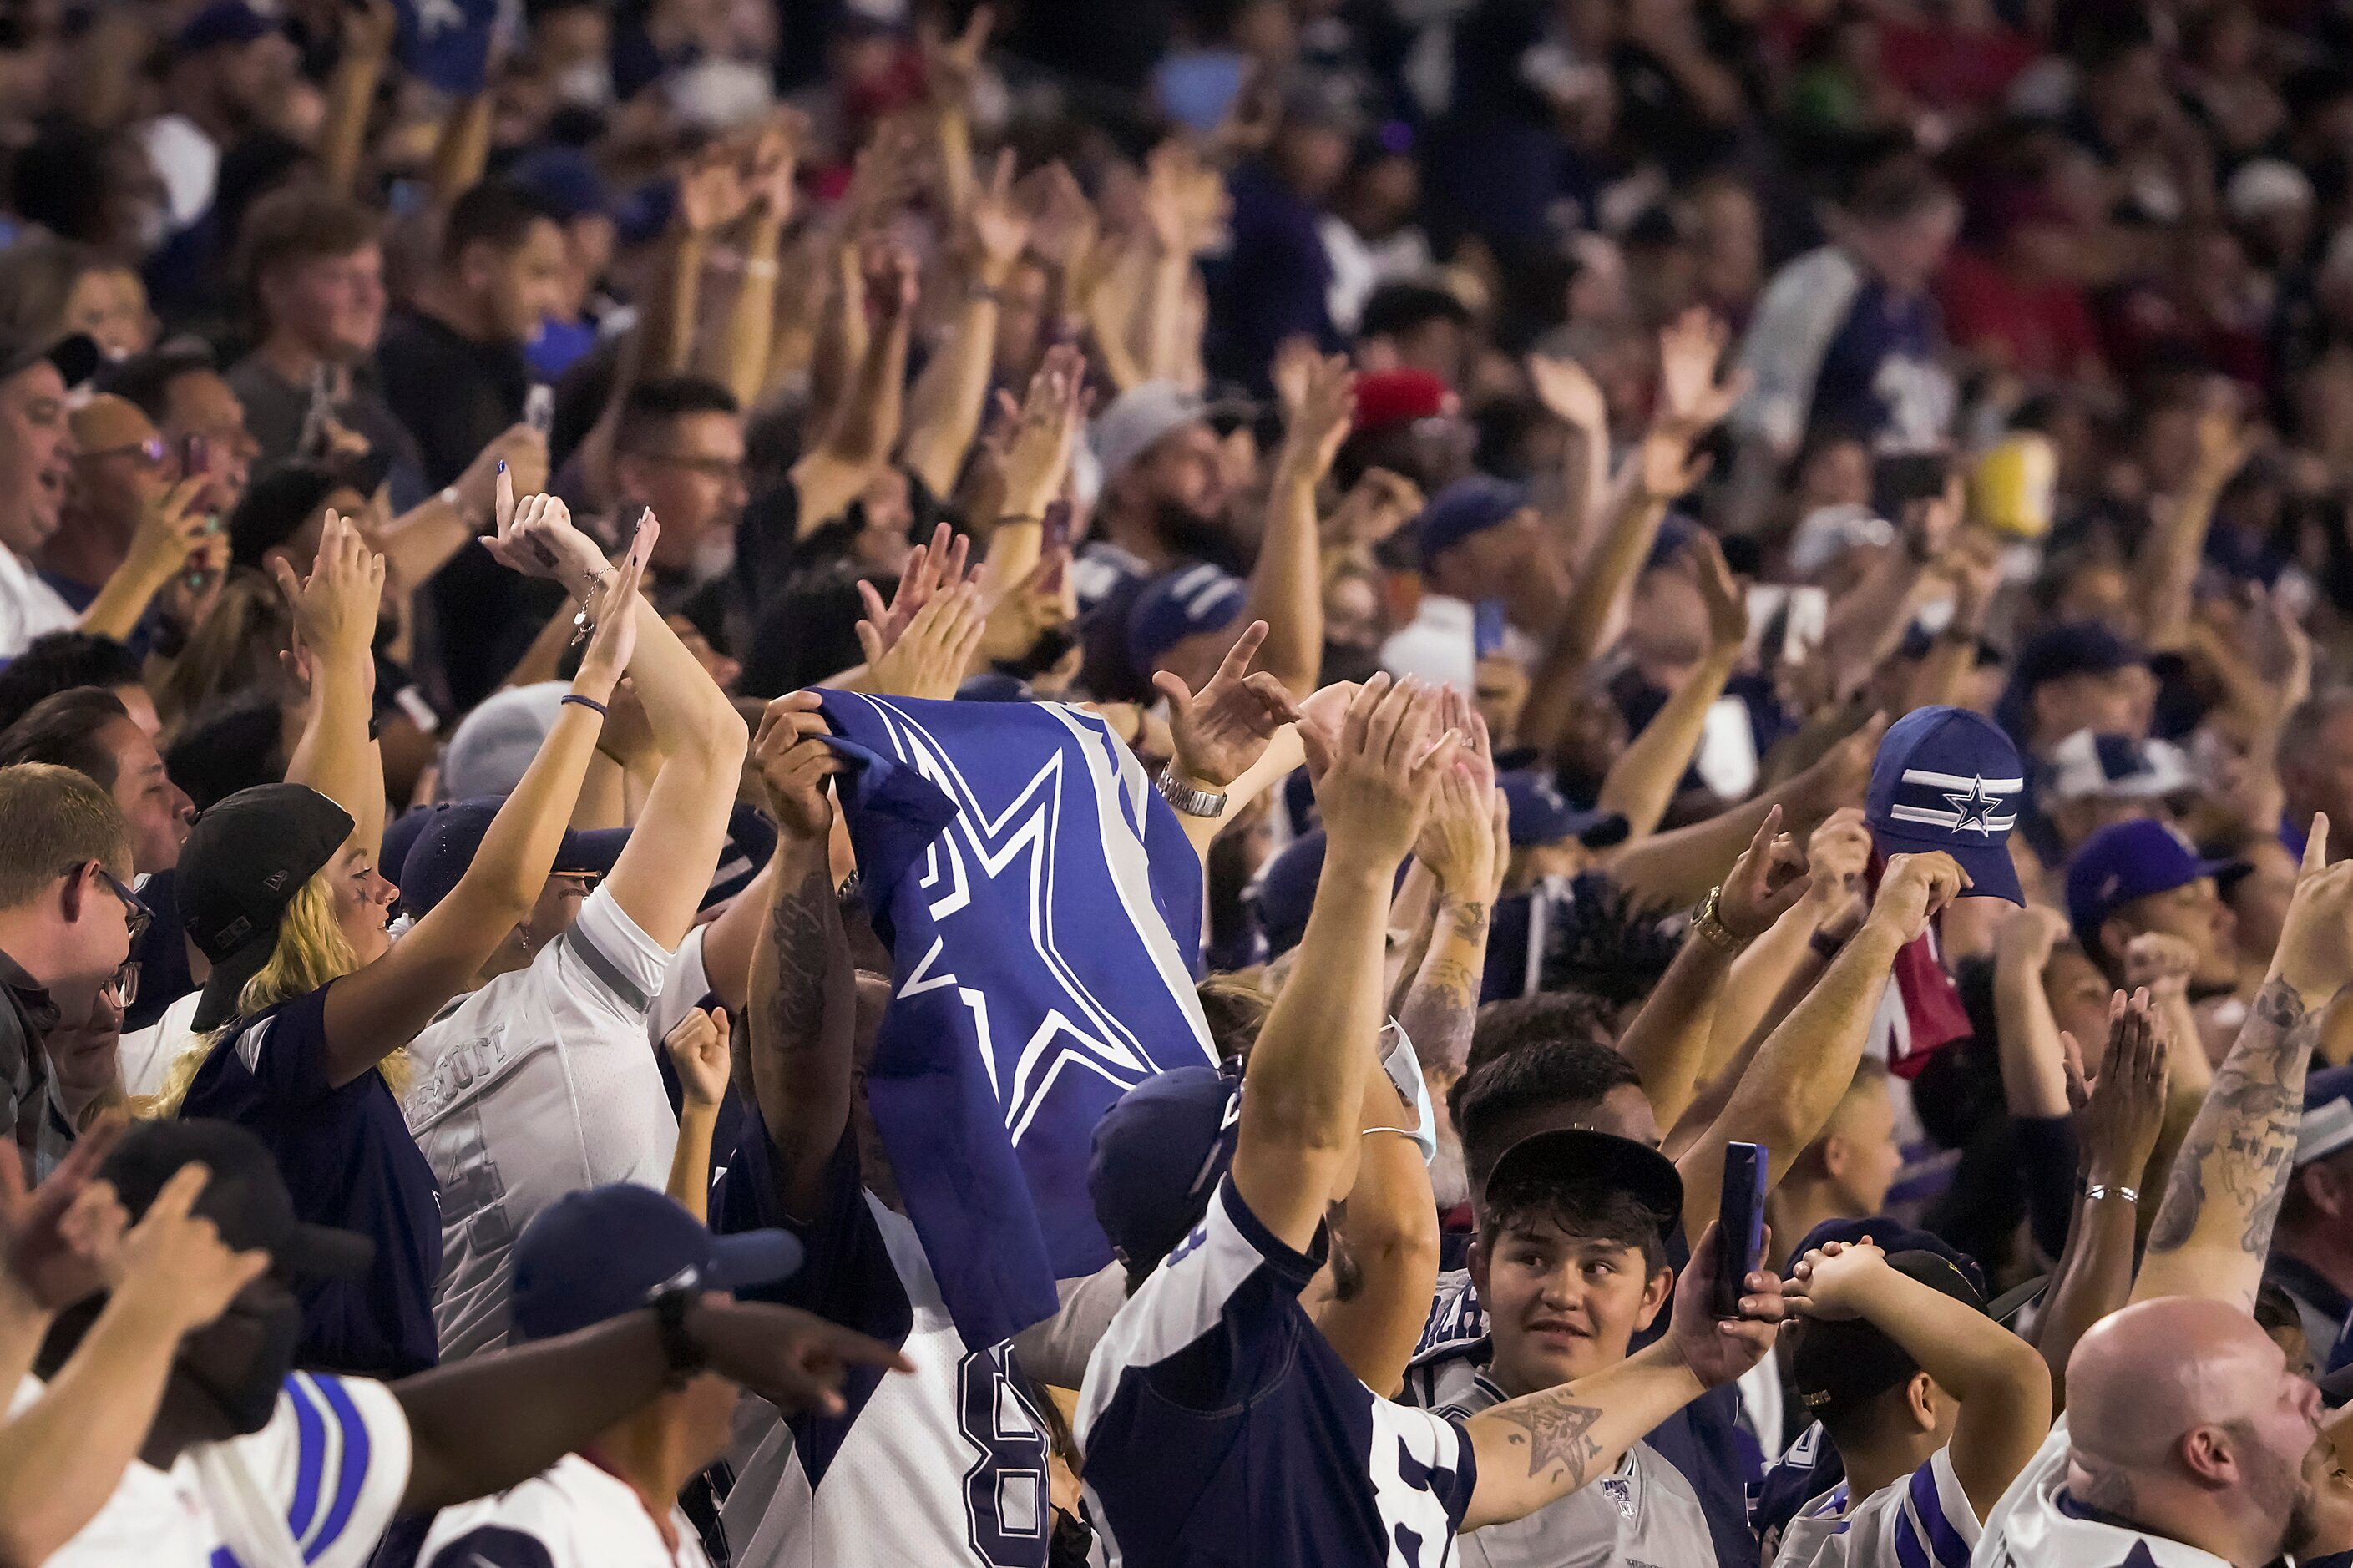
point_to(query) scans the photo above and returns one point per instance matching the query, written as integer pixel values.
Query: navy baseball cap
(1891, 1237)
(2072, 647)
(567, 179)
(1181, 604)
(1579, 1156)
(595, 1253)
(223, 22)
(1542, 814)
(2328, 1124)
(2125, 861)
(1462, 509)
(1285, 891)
(1947, 779)
(447, 846)
(1158, 1154)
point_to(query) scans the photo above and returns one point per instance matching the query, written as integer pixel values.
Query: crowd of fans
(1707, 642)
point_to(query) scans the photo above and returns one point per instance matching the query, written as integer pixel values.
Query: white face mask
(715, 556)
(586, 84)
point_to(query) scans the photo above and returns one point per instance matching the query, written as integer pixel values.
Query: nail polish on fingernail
(503, 465)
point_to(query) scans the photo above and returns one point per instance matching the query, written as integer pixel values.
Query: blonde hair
(311, 951)
(51, 820)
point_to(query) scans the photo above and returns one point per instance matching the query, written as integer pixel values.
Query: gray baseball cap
(1139, 419)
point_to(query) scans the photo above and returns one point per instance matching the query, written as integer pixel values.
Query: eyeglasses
(151, 451)
(138, 917)
(725, 471)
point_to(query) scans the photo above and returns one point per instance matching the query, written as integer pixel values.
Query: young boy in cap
(1934, 1408)
(588, 1258)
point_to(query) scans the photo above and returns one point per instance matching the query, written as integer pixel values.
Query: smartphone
(1739, 1226)
(1054, 544)
(1899, 479)
(1487, 628)
(539, 407)
(195, 457)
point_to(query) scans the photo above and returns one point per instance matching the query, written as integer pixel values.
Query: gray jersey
(1643, 1515)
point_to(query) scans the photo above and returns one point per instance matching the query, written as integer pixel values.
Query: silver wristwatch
(1186, 798)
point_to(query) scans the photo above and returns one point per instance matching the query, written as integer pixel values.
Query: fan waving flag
(446, 44)
(1042, 908)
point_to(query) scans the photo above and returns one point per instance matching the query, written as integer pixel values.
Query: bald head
(2183, 1417)
(108, 423)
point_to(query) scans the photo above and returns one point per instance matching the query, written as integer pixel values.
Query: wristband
(1400, 1132)
(1825, 946)
(588, 703)
(1192, 802)
(1708, 926)
(2095, 1191)
(681, 1356)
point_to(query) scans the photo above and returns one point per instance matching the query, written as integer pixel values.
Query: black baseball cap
(76, 354)
(246, 1198)
(277, 505)
(1838, 1365)
(1580, 1157)
(246, 858)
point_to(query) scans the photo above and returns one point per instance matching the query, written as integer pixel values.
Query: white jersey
(944, 1468)
(321, 1481)
(1643, 1514)
(1922, 1519)
(539, 1084)
(570, 1515)
(2037, 1525)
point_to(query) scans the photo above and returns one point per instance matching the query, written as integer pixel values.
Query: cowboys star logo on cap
(1947, 781)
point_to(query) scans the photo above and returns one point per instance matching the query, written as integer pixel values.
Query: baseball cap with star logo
(1948, 779)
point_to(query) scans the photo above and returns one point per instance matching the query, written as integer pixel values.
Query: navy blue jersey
(1831, 345)
(1220, 1428)
(349, 1162)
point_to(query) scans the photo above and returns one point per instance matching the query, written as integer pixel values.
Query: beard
(1197, 536)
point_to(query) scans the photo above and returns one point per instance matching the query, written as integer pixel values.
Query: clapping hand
(930, 659)
(1374, 784)
(614, 640)
(930, 570)
(2119, 1114)
(335, 606)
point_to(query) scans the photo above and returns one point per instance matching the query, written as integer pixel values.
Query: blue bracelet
(590, 702)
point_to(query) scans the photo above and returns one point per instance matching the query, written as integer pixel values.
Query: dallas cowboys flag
(1028, 880)
(446, 43)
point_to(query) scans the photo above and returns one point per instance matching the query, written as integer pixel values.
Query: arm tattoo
(800, 936)
(1555, 1431)
(1470, 921)
(2240, 1148)
(1440, 1005)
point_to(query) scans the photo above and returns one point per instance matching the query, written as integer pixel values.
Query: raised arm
(334, 615)
(2167, 565)
(1643, 780)
(375, 1010)
(1303, 1092)
(1374, 1322)
(950, 394)
(1806, 1064)
(2119, 1117)
(700, 1051)
(2223, 1192)
(1220, 734)
(795, 1052)
(1466, 843)
(2004, 1396)
(863, 427)
(1542, 1446)
(1286, 586)
(1667, 1043)
(663, 870)
(369, 29)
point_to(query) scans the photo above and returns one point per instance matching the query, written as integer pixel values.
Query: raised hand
(1063, 226)
(931, 658)
(613, 640)
(174, 1262)
(59, 1241)
(1824, 1282)
(1376, 506)
(1000, 226)
(1720, 592)
(335, 606)
(698, 1046)
(1225, 727)
(1045, 433)
(514, 463)
(2119, 1114)
(1459, 840)
(1913, 890)
(171, 529)
(2316, 947)
(931, 570)
(1328, 404)
(1767, 879)
(1666, 467)
(794, 762)
(2160, 964)
(1837, 853)
(536, 537)
(1373, 785)
(1719, 1349)
(1690, 398)
(711, 192)
(1568, 392)
(889, 274)
(774, 163)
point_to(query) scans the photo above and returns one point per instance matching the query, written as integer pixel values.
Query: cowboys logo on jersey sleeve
(1220, 1427)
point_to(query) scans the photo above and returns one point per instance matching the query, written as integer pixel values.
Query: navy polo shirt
(349, 1161)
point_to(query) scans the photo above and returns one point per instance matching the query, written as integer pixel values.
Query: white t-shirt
(1921, 1520)
(539, 1084)
(148, 1054)
(570, 1515)
(29, 607)
(331, 1467)
(2037, 1525)
(1438, 643)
